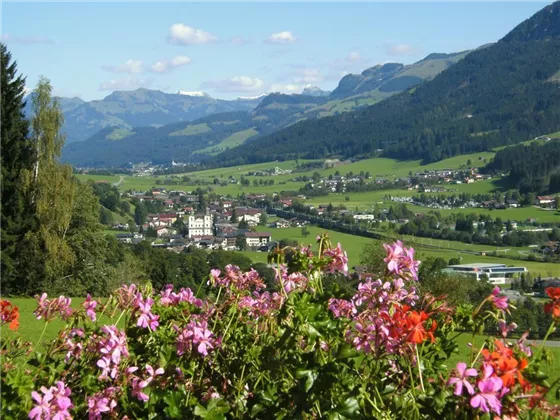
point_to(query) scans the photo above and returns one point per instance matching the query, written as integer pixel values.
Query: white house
(255, 239)
(545, 200)
(201, 225)
(364, 217)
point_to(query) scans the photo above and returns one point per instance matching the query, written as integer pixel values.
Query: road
(116, 184)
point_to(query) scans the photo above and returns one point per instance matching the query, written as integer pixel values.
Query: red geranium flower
(553, 293)
(9, 314)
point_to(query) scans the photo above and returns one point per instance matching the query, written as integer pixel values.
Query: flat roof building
(496, 273)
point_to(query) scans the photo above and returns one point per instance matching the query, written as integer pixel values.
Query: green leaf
(309, 376)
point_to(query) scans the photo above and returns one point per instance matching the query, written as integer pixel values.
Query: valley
(280, 210)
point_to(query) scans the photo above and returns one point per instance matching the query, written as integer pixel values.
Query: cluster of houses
(541, 201)
(215, 228)
(449, 176)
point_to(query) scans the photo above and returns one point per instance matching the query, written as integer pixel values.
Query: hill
(187, 141)
(384, 80)
(140, 107)
(498, 95)
(194, 141)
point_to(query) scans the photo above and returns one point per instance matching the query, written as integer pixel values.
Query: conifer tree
(16, 156)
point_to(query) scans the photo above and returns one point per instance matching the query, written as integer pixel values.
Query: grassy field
(234, 140)
(353, 245)
(425, 247)
(520, 214)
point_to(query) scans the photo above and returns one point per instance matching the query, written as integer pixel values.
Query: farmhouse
(545, 200)
(255, 239)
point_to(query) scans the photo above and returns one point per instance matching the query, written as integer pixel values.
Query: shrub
(303, 350)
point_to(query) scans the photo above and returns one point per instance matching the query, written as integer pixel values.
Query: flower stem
(419, 368)
(42, 334)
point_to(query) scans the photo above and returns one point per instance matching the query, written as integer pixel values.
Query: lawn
(31, 328)
(425, 247)
(353, 245)
(383, 167)
(519, 214)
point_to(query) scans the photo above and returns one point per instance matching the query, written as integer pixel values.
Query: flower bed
(299, 350)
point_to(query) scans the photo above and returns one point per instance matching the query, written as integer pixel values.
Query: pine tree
(16, 156)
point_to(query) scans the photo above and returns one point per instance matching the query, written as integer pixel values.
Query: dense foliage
(532, 168)
(502, 94)
(16, 157)
(475, 228)
(302, 350)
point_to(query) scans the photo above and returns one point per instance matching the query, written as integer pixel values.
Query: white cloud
(288, 88)
(236, 84)
(354, 57)
(285, 37)
(131, 66)
(181, 34)
(400, 49)
(26, 40)
(128, 83)
(165, 66)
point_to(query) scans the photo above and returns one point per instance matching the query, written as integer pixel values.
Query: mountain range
(140, 107)
(191, 137)
(502, 94)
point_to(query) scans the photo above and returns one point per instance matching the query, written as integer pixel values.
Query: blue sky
(236, 49)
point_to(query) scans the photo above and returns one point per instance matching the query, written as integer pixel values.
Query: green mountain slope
(141, 107)
(122, 111)
(188, 141)
(383, 80)
(501, 94)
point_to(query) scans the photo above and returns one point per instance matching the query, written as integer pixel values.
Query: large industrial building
(496, 273)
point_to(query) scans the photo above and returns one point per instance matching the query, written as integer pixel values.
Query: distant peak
(313, 90)
(262, 95)
(193, 93)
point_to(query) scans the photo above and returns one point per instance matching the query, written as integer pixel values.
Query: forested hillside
(532, 168)
(188, 141)
(195, 140)
(502, 94)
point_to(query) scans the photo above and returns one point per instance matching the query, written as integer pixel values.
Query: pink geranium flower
(461, 380)
(500, 302)
(505, 328)
(54, 403)
(491, 391)
(89, 305)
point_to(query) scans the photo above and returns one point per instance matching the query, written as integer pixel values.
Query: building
(280, 224)
(540, 285)
(496, 273)
(364, 217)
(545, 200)
(248, 214)
(128, 238)
(257, 239)
(162, 231)
(201, 225)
